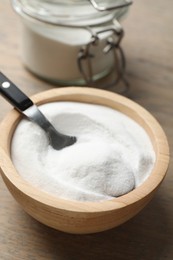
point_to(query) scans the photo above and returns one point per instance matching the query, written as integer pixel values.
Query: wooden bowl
(75, 216)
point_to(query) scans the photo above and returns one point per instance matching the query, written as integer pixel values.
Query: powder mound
(111, 157)
(91, 166)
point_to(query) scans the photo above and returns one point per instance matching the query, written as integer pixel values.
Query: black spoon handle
(13, 94)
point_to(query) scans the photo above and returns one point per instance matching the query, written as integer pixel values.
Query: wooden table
(148, 45)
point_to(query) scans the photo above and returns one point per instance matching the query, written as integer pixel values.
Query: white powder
(112, 155)
(51, 46)
(51, 52)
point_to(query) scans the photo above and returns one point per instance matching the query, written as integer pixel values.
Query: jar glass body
(54, 32)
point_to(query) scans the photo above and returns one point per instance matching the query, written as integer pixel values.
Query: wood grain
(148, 45)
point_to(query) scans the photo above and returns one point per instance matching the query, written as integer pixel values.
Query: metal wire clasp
(85, 57)
(110, 8)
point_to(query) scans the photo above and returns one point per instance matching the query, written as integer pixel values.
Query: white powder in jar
(112, 155)
(52, 53)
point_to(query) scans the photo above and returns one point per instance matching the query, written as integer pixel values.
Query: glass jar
(70, 41)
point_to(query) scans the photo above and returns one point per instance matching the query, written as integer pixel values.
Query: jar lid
(73, 12)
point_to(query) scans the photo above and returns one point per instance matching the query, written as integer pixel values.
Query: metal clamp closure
(85, 57)
(110, 8)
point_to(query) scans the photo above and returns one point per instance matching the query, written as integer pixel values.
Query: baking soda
(112, 155)
(52, 52)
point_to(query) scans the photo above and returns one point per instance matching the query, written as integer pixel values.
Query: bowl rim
(94, 96)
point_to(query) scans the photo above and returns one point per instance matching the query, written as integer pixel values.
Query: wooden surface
(148, 45)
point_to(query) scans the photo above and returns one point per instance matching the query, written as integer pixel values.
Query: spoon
(26, 107)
